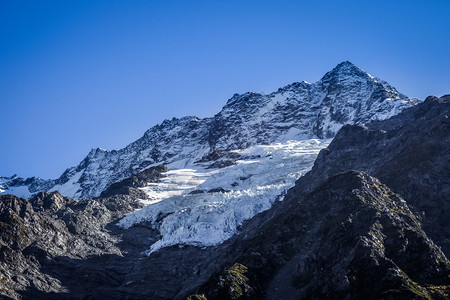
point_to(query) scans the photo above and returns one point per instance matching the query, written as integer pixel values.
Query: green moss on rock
(233, 283)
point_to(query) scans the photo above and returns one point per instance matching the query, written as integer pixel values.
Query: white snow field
(251, 186)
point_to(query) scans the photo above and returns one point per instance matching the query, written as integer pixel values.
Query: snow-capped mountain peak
(298, 111)
(346, 68)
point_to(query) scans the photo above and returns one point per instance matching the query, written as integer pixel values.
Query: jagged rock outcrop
(344, 95)
(50, 241)
(44, 240)
(130, 186)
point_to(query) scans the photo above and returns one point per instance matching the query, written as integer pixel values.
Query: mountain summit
(301, 110)
(347, 68)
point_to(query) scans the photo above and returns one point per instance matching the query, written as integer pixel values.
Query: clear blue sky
(76, 75)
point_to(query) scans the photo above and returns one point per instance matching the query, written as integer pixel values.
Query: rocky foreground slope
(339, 233)
(351, 238)
(345, 95)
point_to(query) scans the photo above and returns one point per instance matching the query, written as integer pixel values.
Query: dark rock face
(129, 186)
(52, 202)
(50, 245)
(222, 164)
(217, 154)
(410, 153)
(53, 247)
(28, 239)
(219, 159)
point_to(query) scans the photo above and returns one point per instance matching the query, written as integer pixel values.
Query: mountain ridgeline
(345, 95)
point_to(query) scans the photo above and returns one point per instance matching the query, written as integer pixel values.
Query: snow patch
(71, 188)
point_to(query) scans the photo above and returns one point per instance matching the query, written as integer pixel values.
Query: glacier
(204, 207)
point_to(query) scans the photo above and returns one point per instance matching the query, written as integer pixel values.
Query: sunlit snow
(185, 210)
